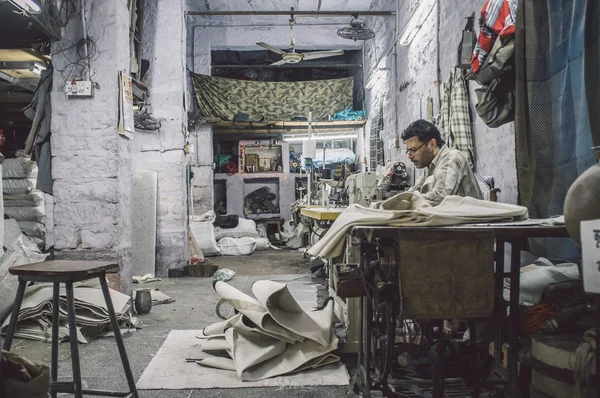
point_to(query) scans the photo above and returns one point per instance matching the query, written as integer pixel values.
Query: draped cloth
(410, 209)
(454, 120)
(557, 118)
(223, 98)
(270, 335)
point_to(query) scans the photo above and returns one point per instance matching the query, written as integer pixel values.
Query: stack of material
(22, 201)
(19, 251)
(270, 335)
(35, 317)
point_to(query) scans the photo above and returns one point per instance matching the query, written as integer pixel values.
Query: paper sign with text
(590, 244)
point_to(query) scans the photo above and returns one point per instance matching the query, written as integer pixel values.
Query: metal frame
(514, 235)
(296, 13)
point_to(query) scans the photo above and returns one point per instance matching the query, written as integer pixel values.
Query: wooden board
(321, 213)
(143, 222)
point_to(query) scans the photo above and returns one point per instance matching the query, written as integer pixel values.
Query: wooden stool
(68, 272)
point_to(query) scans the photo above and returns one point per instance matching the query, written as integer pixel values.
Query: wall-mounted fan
(292, 57)
(356, 31)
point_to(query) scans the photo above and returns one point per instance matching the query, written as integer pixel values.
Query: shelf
(247, 176)
(263, 216)
(280, 127)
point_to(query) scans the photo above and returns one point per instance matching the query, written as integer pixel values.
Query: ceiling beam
(28, 83)
(295, 12)
(8, 97)
(10, 65)
(298, 65)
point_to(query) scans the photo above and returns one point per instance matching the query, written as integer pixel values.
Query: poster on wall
(126, 125)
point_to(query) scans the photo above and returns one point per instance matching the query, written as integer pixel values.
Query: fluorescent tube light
(29, 6)
(320, 137)
(416, 21)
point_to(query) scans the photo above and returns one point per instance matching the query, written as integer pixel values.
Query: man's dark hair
(424, 131)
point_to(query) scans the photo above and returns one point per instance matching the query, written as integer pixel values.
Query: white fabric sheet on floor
(271, 335)
(411, 210)
(168, 370)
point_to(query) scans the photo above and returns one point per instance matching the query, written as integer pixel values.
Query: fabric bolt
(497, 18)
(223, 98)
(271, 335)
(557, 58)
(448, 174)
(410, 209)
(454, 120)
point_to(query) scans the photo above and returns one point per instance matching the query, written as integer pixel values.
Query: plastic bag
(223, 275)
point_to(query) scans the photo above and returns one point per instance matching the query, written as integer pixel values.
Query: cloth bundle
(270, 334)
(22, 201)
(92, 318)
(409, 209)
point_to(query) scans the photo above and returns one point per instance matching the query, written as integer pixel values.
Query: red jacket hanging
(497, 18)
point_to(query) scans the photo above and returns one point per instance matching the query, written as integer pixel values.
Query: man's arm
(447, 179)
(418, 185)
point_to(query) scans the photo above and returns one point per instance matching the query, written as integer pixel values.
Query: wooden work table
(322, 213)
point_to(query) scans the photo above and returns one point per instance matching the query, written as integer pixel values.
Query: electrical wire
(76, 62)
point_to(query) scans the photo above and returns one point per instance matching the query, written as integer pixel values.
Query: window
(376, 143)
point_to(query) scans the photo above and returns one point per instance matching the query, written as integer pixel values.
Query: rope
(535, 318)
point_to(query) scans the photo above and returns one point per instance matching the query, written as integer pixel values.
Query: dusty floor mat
(169, 370)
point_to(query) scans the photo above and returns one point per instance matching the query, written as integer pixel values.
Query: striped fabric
(497, 18)
(454, 120)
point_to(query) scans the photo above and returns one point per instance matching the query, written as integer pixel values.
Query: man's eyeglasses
(414, 150)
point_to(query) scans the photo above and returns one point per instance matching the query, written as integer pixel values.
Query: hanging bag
(467, 44)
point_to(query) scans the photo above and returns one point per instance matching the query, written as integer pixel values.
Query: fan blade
(270, 47)
(278, 63)
(322, 54)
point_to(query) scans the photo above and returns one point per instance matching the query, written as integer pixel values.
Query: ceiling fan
(293, 57)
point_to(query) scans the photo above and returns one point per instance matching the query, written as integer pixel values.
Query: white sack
(32, 229)
(34, 198)
(19, 168)
(204, 234)
(237, 247)
(245, 228)
(26, 213)
(22, 251)
(262, 243)
(15, 186)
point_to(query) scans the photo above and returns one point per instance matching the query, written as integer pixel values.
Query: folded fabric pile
(92, 319)
(270, 334)
(411, 210)
(22, 201)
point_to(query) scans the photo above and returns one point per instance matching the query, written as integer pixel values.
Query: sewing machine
(362, 188)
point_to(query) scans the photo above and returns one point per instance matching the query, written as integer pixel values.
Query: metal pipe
(85, 41)
(299, 65)
(295, 12)
(438, 56)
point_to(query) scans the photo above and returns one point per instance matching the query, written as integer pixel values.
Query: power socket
(80, 88)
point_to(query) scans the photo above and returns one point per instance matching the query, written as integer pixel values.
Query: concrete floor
(269, 262)
(194, 309)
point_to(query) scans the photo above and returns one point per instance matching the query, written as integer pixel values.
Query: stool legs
(55, 324)
(73, 340)
(115, 327)
(12, 326)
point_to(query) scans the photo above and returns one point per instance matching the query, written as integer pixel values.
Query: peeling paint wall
(164, 45)
(91, 164)
(416, 65)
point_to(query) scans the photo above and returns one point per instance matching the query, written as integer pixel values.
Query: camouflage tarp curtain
(218, 97)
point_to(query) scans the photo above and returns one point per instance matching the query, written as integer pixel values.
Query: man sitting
(447, 171)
